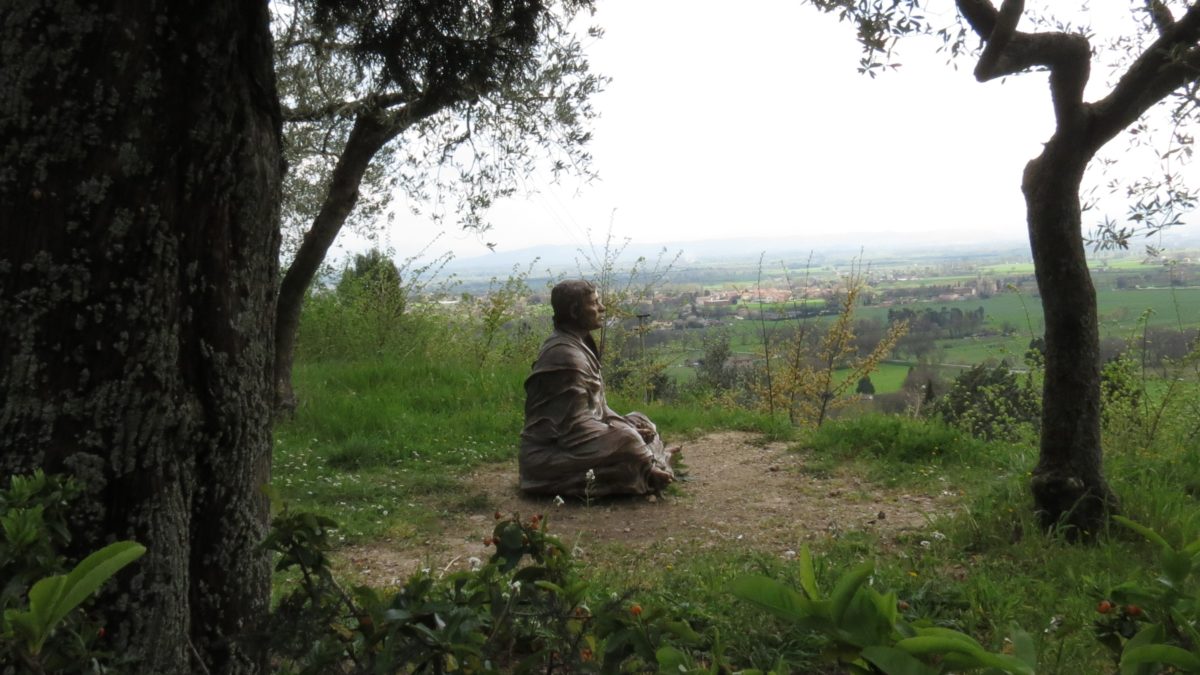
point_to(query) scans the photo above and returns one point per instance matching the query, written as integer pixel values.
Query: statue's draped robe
(570, 430)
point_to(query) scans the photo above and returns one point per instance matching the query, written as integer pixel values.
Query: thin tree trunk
(1068, 483)
(140, 168)
(366, 138)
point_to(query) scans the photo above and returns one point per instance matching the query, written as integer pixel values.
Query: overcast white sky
(725, 123)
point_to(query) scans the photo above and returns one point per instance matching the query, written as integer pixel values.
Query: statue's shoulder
(562, 350)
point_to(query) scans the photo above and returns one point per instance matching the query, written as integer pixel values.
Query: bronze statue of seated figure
(573, 444)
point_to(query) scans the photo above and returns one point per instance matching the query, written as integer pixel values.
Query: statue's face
(590, 313)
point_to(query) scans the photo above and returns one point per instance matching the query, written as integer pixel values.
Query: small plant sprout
(590, 477)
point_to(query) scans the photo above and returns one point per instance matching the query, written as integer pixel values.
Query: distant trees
(1160, 62)
(944, 322)
(715, 372)
(927, 326)
(865, 386)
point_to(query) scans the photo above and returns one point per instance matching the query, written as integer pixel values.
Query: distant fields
(1014, 317)
(1119, 310)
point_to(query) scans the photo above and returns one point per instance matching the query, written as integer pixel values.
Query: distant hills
(876, 248)
(699, 253)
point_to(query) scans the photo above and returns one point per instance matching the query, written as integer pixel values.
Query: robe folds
(570, 430)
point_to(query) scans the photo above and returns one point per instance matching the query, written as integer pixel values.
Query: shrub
(42, 628)
(504, 616)
(991, 403)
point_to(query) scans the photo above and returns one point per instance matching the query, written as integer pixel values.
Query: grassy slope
(377, 445)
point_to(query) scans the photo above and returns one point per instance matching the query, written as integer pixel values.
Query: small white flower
(516, 586)
(925, 543)
(558, 500)
(591, 475)
(474, 563)
(1055, 624)
(938, 536)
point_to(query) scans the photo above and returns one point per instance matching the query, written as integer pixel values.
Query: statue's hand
(661, 477)
(647, 434)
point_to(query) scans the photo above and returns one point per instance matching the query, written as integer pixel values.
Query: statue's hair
(566, 296)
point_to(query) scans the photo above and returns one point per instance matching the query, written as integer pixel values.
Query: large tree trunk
(1068, 482)
(140, 168)
(366, 138)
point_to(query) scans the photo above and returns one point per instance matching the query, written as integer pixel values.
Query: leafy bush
(377, 307)
(991, 403)
(862, 629)
(42, 629)
(1156, 624)
(501, 617)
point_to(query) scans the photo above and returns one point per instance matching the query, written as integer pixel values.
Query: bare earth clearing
(737, 492)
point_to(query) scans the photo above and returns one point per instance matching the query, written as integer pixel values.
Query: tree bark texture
(1068, 483)
(367, 137)
(140, 166)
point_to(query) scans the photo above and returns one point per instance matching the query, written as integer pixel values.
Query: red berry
(1104, 607)
(1133, 610)
(488, 541)
(499, 515)
(635, 610)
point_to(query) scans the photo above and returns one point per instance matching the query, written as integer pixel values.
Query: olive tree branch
(1008, 51)
(1170, 62)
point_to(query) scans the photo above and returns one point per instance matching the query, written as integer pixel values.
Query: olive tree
(140, 172)
(1161, 62)
(447, 102)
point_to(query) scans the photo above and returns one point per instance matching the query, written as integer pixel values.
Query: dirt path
(737, 491)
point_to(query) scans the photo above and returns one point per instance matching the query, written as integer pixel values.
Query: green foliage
(504, 616)
(33, 515)
(865, 386)
(715, 373)
(427, 89)
(863, 631)
(376, 308)
(1148, 625)
(51, 599)
(42, 628)
(1150, 400)
(821, 365)
(991, 403)
(1121, 391)
(491, 314)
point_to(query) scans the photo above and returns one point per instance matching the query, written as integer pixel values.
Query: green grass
(1121, 310)
(379, 445)
(376, 444)
(889, 377)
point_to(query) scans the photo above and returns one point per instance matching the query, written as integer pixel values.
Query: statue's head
(576, 304)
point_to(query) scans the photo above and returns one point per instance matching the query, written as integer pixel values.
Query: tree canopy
(449, 103)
